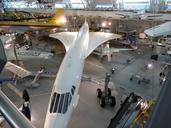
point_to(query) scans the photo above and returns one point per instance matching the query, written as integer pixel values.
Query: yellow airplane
(58, 20)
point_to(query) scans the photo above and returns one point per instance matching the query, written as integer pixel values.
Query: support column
(109, 54)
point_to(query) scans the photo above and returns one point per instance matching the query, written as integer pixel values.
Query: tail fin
(3, 58)
(58, 18)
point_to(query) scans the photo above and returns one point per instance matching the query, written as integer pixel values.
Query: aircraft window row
(60, 102)
(73, 90)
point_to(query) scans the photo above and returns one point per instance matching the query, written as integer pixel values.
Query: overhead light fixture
(150, 65)
(63, 19)
(109, 23)
(103, 24)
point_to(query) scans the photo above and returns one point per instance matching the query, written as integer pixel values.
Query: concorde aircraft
(64, 97)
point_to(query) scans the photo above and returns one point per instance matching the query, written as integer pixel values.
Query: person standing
(152, 47)
(26, 105)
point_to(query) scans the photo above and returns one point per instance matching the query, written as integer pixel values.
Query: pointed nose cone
(84, 29)
(86, 24)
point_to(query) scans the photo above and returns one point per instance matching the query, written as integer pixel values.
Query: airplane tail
(58, 18)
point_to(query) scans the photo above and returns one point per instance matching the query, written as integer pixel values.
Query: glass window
(59, 5)
(78, 4)
(73, 90)
(61, 103)
(69, 101)
(66, 103)
(56, 103)
(136, 4)
(53, 101)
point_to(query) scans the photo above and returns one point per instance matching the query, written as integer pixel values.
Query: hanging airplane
(39, 21)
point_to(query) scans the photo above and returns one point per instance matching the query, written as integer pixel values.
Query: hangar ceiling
(91, 4)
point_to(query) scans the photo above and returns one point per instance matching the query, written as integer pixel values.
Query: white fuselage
(67, 82)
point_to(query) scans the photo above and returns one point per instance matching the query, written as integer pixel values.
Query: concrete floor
(88, 112)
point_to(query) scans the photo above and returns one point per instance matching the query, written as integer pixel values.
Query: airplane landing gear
(105, 99)
(105, 96)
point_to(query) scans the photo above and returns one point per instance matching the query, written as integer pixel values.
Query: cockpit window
(60, 102)
(73, 90)
(56, 103)
(66, 103)
(53, 101)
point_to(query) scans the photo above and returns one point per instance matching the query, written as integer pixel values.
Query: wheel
(131, 77)
(112, 101)
(99, 93)
(102, 101)
(109, 92)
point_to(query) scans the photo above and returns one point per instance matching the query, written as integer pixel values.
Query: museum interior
(85, 63)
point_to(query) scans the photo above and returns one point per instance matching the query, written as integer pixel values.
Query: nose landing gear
(105, 96)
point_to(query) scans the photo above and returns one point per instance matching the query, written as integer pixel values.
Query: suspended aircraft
(39, 21)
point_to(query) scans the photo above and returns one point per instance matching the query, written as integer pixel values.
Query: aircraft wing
(160, 30)
(21, 72)
(98, 38)
(67, 38)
